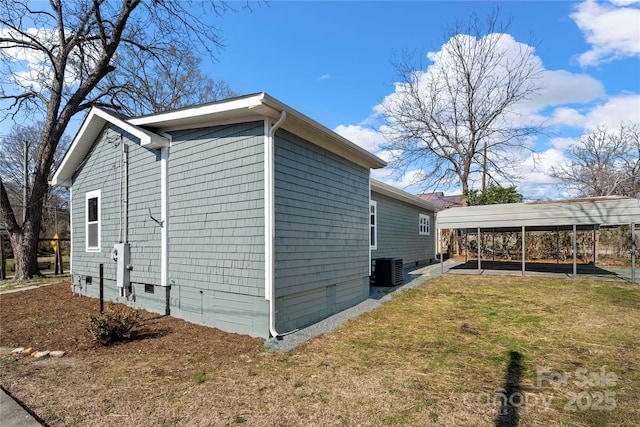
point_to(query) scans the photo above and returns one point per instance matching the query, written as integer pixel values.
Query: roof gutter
(269, 217)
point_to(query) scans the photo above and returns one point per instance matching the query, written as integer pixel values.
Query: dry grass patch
(436, 355)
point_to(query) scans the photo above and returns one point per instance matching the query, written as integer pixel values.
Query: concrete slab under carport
(539, 269)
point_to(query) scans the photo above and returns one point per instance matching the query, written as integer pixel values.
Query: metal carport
(574, 214)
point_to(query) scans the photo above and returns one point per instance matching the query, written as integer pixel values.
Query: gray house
(242, 214)
(402, 225)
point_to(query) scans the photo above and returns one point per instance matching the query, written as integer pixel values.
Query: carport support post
(466, 245)
(633, 252)
(493, 243)
(575, 251)
(523, 251)
(479, 253)
(595, 246)
(441, 252)
(557, 245)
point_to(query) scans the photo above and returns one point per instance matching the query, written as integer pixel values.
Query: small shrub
(200, 378)
(114, 325)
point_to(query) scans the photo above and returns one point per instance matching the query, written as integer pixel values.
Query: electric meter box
(120, 255)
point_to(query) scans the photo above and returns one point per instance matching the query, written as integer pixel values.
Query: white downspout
(269, 219)
(71, 236)
(164, 213)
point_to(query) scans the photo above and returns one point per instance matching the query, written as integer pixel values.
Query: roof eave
(390, 191)
(258, 107)
(89, 130)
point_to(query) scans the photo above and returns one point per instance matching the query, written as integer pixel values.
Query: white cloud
(324, 77)
(562, 143)
(617, 109)
(612, 29)
(535, 171)
(34, 69)
(368, 138)
(565, 116)
(562, 87)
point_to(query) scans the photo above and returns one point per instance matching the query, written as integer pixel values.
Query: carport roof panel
(549, 215)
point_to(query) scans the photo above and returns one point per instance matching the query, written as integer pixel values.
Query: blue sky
(331, 60)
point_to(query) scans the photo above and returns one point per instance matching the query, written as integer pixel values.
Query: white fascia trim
(89, 131)
(165, 119)
(207, 123)
(147, 139)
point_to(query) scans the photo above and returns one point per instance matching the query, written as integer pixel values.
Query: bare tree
(162, 87)
(12, 156)
(459, 116)
(604, 162)
(72, 46)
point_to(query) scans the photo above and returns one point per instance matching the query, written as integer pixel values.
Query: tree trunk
(24, 239)
(25, 253)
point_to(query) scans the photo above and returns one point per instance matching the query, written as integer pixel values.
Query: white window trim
(427, 225)
(374, 204)
(90, 195)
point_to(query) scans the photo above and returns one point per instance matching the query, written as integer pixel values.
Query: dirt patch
(53, 318)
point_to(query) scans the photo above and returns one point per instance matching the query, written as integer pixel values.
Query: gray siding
(398, 228)
(101, 171)
(321, 235)
(216, 227)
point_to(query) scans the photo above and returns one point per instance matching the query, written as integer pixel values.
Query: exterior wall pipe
(125, 202)
(269, 217)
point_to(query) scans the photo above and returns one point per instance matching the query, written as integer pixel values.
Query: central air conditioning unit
(386, 272)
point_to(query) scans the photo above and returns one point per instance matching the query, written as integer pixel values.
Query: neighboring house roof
(151, 129)
(584, 213)
(390, 191)
(441, 201)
